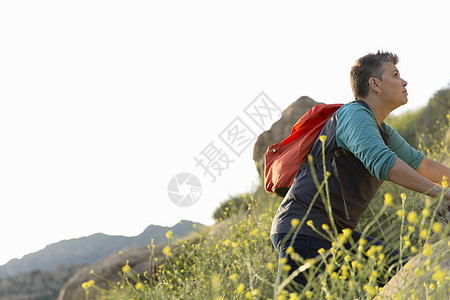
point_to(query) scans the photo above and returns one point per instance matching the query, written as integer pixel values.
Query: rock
(406, 280)
(109, 269)
(280, 129)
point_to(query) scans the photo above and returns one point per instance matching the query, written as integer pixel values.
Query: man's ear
(374, 84)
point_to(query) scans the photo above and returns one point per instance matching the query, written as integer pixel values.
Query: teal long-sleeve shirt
(357, 131)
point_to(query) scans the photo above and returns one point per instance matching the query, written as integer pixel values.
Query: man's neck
(379, 110)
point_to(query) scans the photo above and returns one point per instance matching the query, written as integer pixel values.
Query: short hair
(370, 65)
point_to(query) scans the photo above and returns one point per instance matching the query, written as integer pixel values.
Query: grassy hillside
(235, 258)
(41, 275)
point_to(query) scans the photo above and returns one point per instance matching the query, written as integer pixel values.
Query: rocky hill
(280, 129)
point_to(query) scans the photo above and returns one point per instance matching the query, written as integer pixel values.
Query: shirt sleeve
(357, 132)
(403, 150)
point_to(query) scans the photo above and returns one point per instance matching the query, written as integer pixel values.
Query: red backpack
(284, 159)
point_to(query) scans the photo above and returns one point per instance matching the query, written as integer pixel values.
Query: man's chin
(404, 101)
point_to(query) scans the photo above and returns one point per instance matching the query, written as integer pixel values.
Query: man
(376, 153)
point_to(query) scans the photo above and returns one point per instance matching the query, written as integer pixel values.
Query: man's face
(392, 86)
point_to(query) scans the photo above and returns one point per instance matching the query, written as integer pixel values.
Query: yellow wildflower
(412, 217)
(371, 252)
(371, 290)
(295, 222)
(169, 234)
(286, 268)
(126, 269)
(438, 274)
(325, 226)
(444, 182)
(423, 234)
(234, 277)
(167, 251)
(427, 250)
(240, 288)
(87, 284)
(282, 296)
(403, 196)
(346, 233)
(359, 266)
(374, 275)
(344, 271)
(388, 199)
(294, 296)
(139, 286)
(310, 223)
(426, 212)
(437, 227)
(309, 294)
(419, 272)
(323, 138)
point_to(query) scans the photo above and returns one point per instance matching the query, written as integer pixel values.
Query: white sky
(103, 102)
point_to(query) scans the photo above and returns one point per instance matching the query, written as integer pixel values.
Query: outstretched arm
(422, 180)
(433, 170)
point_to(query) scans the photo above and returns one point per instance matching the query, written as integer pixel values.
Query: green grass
(236, 260)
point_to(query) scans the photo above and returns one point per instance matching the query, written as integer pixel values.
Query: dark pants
(307, 246)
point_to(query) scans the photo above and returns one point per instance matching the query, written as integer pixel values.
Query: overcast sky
(103, 104)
